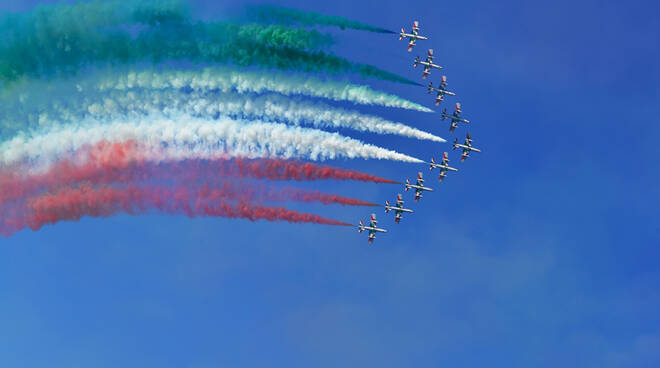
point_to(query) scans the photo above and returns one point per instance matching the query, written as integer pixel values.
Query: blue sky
(541, 251)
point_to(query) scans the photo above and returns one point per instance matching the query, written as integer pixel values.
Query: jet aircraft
(428, 64)
(467, 147)
(372, 228)
(455, 117)
(419, 187)
(441, 90)
(414, 36)
(398, 208)
(444, 166)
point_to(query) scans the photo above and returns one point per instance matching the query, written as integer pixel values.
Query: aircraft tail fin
(387, 206)
(403, 30)
(444, 114)
(455, 143)
(361, 227)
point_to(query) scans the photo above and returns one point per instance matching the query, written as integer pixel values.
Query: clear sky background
(542, 251)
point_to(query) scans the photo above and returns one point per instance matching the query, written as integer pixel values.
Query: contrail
(123, 162)
(211, 105)
(279, 14)
(74, 203)
(188, 137)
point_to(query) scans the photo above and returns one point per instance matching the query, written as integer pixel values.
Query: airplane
(419, 187)
(399, 210)
(442, 90)
(372, 228)
(414, 36)
(428, 64)
(467, 147)
(455, 117)
(444, 166)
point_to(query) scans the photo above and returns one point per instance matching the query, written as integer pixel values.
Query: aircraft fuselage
(430, 65)
(399, 209)
(470, 148)
(454, 118)
(417, 37)
(370, 228)
(441, 166)
(444, 92)
(419, 187)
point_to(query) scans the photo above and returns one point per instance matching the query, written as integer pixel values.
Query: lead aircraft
(444, 166)
(441, 90)
(467, 147)
(398, 208)
(414, 36)
(428, 64)
(372, 228)
(419, 187)
(455, 117)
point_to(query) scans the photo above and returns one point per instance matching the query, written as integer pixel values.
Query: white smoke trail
(118, 105)
(31, 92)
(226, 79)
(184, 137)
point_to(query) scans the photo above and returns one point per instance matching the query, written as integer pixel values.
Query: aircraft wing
(453, 125)
(426, 72)
(411, 44)
(466, 154)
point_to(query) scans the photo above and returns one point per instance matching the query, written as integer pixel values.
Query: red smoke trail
(124, 163)
(277, 169)
(250, 191)
(74, 203)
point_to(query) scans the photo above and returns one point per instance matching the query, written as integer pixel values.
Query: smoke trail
(246, 191)
(24, 105)
(266, 46)
(74, 203)
(123, 162)
(279, 14)
(187, 137)
(116, 105)
(46, 21)
(119, 171)
(53, 52)
(50, 34)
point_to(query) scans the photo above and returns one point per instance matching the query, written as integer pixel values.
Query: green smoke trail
(279, 14)
(50, 42)
(58, 34)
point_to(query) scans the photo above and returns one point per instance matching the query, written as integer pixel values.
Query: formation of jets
(428, 64)
(467, 147)
(419, 186)
(455, 118)
(372, 228)
(414, 36)
(398, 208)
(444, 166)
(440, 90)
